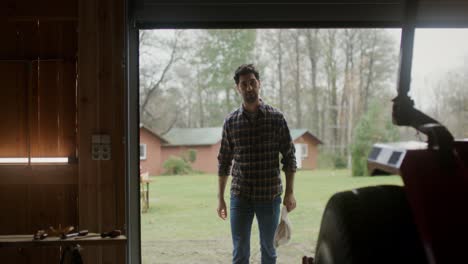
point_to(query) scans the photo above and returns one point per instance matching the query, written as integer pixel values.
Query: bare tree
(319, 78)
(201, 111)
(313, 45)
(280, 69)
(331, 68)
(377, 64)
(297, 77)
(452, 108)
(346, 111)
(371, 61)
(155, 84)
(151, 87)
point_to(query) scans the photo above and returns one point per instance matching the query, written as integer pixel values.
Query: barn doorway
(338, 78)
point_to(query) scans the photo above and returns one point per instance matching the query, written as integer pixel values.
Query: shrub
(328, 160)
(190, 155)
(340, 162)
(373, 127)
(176, 166)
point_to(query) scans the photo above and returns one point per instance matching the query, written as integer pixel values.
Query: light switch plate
(100, 147)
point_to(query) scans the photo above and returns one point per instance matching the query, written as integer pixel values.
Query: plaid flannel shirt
(255, 147)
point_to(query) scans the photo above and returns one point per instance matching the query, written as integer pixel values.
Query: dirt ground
(213, 252)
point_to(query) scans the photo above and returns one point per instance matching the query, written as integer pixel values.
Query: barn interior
(69, 105)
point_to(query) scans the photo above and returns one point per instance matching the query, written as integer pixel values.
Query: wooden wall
(101, 111)
(62, 81)
(38, 73)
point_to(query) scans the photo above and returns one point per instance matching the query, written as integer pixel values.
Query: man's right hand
(222, 212)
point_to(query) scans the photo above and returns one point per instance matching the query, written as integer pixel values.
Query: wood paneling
(89, 203)
(30, 255)
(38, 207)
(19, 40)
(13, 106)
(38, 66)
(53, 109)
(16, 222)
(38, 174)
(51, 9)
(57, 40)
(61, 118)
(47, 115)
(101, 111)
(67, 109)
(47, 205)
(33, 117)
(50, 206)
(35, 198)
(38, 105)
(27, 40)
(9, 45)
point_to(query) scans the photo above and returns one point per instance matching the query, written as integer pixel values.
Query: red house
(206, 143)
(150, 150)
(306, 148)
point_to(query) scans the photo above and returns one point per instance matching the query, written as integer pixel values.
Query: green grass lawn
(183, 208)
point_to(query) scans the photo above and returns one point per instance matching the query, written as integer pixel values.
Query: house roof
(299, 132)
(152, 131)
(194, 136)
(211, 136)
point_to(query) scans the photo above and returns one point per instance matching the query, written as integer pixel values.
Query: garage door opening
(331, 84)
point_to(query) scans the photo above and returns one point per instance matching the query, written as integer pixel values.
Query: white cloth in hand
(283, 231)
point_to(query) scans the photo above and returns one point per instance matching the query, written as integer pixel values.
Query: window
(142, 151)
(304, 150)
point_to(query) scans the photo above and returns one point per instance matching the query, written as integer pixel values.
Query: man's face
(248, 88)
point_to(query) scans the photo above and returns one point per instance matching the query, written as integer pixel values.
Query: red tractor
(426, 220)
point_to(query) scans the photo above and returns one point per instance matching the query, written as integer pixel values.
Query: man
(253, 136)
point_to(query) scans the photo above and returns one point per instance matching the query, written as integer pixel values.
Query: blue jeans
(242, 214)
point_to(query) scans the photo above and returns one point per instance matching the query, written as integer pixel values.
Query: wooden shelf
(23, 241)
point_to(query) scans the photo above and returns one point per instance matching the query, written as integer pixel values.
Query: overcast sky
(439, 49)
(436, 51)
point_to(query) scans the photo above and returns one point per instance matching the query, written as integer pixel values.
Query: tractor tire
(369, 225)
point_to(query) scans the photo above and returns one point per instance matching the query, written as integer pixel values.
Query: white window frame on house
(305, 150)
(144, 148)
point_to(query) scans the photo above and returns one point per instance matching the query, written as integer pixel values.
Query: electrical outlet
(100, 147)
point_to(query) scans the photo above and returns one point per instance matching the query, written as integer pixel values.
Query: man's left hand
(289, 201)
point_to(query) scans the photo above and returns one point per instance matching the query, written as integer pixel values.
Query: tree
(221, 52)
(279, 50)
(373, 127)
(153, 76)
(313, 48)
(321, 79)
(377, 64)
(297, 77)
(332, 72)
(450, 100)
(346, 103)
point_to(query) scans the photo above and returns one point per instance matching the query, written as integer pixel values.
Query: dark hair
(245, 69)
